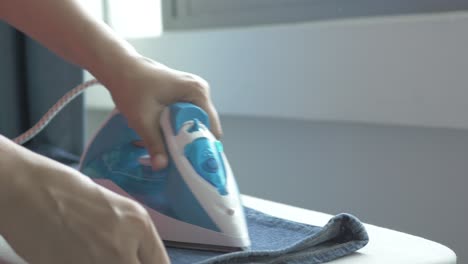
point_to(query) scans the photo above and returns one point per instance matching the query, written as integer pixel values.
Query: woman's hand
(144, 88)
(140, 88)
(51, 213)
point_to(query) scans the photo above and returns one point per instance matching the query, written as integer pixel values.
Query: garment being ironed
(276, 240)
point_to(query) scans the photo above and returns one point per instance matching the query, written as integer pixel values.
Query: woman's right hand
(51, 213)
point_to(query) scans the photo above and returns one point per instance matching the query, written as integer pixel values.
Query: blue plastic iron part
(200, 196)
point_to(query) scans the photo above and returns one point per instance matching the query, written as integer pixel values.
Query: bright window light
(134, 18)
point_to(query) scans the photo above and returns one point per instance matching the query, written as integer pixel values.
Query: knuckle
(138, 208)
(142, 124)
(141, 216)
(141, 119)
(135, 121)
(197, 85)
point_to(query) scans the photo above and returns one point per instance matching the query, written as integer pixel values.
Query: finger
(209, 108)
(149, 130)
(152, 249)
(139, 143)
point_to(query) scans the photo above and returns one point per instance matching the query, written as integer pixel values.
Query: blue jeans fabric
(276, 240)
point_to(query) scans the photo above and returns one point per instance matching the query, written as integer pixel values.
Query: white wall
(401, 70)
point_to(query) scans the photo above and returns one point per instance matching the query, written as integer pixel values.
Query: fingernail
(145, 160)
(159, 161)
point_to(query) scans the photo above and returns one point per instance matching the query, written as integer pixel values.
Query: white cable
(53, 111)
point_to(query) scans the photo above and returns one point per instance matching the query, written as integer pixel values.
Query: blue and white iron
(194, 202)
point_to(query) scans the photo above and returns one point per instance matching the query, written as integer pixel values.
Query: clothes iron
(194, 202)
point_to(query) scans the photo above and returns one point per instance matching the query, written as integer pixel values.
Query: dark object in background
(32, 79)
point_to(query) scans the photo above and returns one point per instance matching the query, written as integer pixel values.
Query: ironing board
(385, 245)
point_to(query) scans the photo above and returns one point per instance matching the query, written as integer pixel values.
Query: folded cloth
(276, 240)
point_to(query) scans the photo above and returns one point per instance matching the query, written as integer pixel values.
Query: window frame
(183, 15)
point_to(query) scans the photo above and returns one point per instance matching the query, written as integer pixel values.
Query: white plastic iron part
(226, 211)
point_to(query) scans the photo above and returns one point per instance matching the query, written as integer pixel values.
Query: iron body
(194, 202)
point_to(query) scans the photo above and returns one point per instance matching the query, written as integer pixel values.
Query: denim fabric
(276, 240)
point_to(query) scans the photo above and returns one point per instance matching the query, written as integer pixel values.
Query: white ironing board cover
(385, 245)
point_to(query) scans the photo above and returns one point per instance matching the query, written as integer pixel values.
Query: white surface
(397, 70)
(385, 245)
(7, 254)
